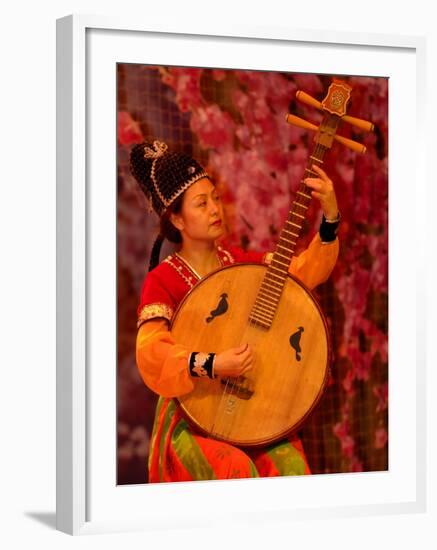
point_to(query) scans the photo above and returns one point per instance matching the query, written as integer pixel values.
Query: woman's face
(201, 216)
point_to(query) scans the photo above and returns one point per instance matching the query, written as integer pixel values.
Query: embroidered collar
(188, 273)
(189, 266)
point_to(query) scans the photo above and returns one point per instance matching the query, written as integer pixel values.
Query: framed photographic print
(248, 114)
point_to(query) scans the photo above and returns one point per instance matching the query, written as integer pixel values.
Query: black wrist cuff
(201, 364)
(328, 229)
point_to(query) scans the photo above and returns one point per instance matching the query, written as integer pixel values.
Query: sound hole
(221, 308)
(295, 343)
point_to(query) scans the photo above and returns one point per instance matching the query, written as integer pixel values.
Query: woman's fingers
(323, 179)
(246, 359)
(314, 184)
(316, 195)
(323, 174)
(246, 369)
(241, 348)
(322, 189)
(244, 353)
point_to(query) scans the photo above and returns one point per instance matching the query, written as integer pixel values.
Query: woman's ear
(176, 220)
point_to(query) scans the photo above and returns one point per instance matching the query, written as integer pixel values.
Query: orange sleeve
(162, 363)
(315, 264)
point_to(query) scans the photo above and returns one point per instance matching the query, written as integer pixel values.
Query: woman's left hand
(323, 190)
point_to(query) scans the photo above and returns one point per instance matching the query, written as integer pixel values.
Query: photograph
(252, 273)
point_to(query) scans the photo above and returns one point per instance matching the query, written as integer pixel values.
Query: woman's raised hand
(234, 362)
(323, 190)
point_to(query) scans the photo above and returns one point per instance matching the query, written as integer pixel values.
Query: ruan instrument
(272, 311)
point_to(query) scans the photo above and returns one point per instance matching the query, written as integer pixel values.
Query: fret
(285, 247)
(311, 172)
(299, 215)
(277, 300)
(264, 309)
(282, 279)
(300, 204)
(279, 268)
(272, 290)
(276, 285)
(281, 271)
(282, 255)
(261, 317)
(304, 194)
(259, 323)
(267, 320)
(280, 262)
(316, 159)
(295, 224)
(275, 259)
(270, 284)
(285, 271)
(262, 313)
(266, 302)
(290, 233)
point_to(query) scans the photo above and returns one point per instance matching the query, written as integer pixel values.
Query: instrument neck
(268, 297)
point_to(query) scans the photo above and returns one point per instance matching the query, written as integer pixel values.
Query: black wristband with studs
(328, 229)
(201, 364)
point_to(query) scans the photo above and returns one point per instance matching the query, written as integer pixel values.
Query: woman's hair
(164, 176)
(167, 231)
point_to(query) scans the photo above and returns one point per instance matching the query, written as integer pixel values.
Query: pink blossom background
(233, 121)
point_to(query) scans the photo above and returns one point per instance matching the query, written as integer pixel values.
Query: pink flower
(341, 429)
(309, 83)
(186, 83)
(347, 445)
(128, 130)
(214, 127)
(348, 381)
(381, 392)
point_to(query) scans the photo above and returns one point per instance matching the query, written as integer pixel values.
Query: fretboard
(267, 300)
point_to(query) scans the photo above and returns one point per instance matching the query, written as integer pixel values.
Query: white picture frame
(87, 499)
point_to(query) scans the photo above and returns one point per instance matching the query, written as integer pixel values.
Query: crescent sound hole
(222, 307)
(295, 343)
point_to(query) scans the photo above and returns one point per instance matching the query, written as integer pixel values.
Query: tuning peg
(358, 122)
(302, 123)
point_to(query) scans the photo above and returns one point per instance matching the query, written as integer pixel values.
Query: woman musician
(191, 215)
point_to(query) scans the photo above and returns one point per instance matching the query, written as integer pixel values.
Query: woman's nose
(214, 208)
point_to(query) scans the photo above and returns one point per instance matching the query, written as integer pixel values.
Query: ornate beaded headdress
(162, 174)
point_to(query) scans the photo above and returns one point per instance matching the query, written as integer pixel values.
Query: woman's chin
(218, 230)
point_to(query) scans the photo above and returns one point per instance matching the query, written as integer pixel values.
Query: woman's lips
(217, 223)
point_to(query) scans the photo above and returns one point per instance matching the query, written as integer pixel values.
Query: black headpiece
(163, 175)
